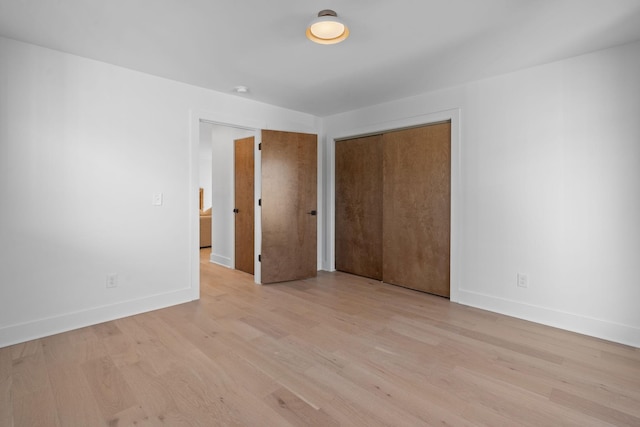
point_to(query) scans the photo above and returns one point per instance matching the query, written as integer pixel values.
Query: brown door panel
(417, 208)
(289, 196)
(244, 204)
(359, 206)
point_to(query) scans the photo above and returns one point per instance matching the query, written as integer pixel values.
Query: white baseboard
(220, 260)
(15, 334)
(598, 328)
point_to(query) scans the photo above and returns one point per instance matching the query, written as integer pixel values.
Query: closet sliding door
(359, 206)
(417, 208)
(393, 207)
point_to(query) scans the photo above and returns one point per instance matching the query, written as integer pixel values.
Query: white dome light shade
(327, 28)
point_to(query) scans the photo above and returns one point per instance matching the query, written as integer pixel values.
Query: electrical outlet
(112, 280)
(523, 280)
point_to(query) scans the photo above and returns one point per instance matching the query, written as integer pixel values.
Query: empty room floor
(333, 350)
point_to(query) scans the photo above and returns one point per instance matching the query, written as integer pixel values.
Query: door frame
(456, 182)
(195, 117)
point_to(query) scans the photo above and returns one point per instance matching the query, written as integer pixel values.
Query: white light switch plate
(157, 199)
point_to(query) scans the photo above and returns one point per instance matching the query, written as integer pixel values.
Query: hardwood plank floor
(333, 350)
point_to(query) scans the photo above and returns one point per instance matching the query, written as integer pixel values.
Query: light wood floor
(334, 350)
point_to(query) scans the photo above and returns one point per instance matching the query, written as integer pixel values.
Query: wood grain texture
(289, 194)
(75, 403)
(417, 208)
(24, 412)
(6, 401)
(336, 349)
(109, 387)
(244, 201)
(358, 201)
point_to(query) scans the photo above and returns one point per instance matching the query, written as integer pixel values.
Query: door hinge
(236, 211)
(260, 146)
(259, 202)
(259, 258)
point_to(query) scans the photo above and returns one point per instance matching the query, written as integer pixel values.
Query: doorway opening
(206, 127)
(217, 179)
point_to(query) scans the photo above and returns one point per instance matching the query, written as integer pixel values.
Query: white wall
(550, 187)
(83, 147)
(205, 163)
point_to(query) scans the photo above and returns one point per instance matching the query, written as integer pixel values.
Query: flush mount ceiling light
(241, 89)
(327, 28)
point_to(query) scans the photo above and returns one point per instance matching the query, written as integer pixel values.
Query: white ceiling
(397, 48)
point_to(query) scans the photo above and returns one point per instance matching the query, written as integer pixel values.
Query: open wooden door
(289, 211)
(244, 204)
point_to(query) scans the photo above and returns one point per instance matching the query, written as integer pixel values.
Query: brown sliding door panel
(359, 206)
(244, 204)
(289, 198)
(416, 213)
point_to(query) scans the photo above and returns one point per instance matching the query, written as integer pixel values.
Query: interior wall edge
(597, 328)
(19, 333)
